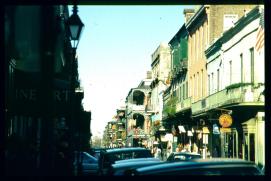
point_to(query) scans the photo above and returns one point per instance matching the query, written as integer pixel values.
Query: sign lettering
(31, 95)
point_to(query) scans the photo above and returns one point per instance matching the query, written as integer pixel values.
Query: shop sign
(225, 130)
(205, 138)
(205, 130)
(32, 94)
(225, 120)
(215, 129)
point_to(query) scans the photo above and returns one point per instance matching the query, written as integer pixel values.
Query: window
(241, 59)
(194, 85)
(230, 72)
(201, 83)
(194, 47)
(198, 82)
(252, 64)
(209, 91)
(183, 91)
(201, 42)
(190, 52)
(217, 80)
(190, 85)
(180, 92)
(186, 90)
(197, 44)
(212, 84)
(207, 33)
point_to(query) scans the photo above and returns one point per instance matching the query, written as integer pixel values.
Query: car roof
(137, 160)
(128, 149)
(136, 164)
(194, 163)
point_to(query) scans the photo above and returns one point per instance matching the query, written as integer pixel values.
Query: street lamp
(75, 27)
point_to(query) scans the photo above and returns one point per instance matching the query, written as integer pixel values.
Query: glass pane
(74, 31)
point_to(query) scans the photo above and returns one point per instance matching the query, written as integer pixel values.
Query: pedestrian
(63, 159)
(195, 148)
(215, 152)
(168, 151)
(157, 153)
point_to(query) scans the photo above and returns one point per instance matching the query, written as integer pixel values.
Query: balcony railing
(242, 94)
(198, 107)
(184, 63)
(138, 107)
(149, 108)
(184, 104)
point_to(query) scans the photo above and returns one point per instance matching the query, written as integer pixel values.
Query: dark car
(123, 167)
(89, 164)
(182, 156)
(96, 152)
(202, 167)
(109, 156)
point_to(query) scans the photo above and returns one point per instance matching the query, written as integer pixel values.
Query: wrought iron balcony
(184, 63)
(184, 104)
(243, 93)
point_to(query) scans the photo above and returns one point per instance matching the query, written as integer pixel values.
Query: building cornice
(193, 19)
(182, 31)
(239, 25)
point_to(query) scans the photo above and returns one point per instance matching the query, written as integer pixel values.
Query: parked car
(182, 156)
(201, 167)
(96, 152)
(109, 156)
(123, 167)
(89, 164)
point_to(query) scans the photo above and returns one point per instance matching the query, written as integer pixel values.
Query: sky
(114, 52)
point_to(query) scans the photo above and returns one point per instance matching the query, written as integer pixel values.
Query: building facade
(137, 117)
(236, 87)
(161, 65)
(38, 103)
(206, 25)
(177, 105)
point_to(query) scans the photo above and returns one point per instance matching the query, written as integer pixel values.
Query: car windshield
(85, 157)
(112, 157)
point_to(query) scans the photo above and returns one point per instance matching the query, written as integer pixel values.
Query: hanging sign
(215, 129)
(225, 120)
(205, 138)
(225, 130)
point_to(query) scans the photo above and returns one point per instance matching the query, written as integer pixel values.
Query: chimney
(188, 13)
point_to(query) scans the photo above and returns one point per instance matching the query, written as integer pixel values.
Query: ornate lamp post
(75, 27)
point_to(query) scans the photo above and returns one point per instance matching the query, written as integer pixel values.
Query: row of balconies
(133, 107)
(183, 104)
(245, 93)
(242, 94)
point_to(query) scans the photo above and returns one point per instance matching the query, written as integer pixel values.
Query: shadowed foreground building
(38, 64)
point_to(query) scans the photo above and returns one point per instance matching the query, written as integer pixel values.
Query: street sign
(225, 120)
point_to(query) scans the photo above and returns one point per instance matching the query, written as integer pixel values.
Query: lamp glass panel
(74, 29)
